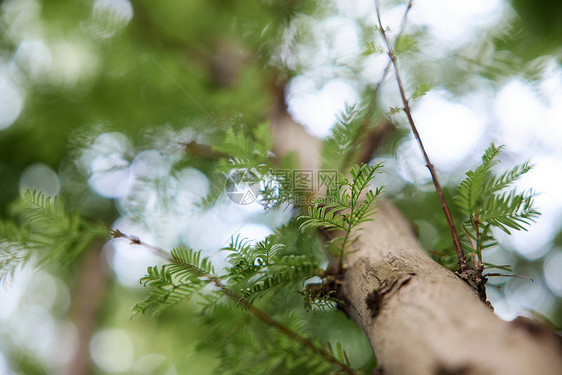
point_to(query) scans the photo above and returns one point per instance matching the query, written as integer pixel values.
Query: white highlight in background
(112, 350)
(318, 109)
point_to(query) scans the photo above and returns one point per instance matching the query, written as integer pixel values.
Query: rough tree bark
(419, 317)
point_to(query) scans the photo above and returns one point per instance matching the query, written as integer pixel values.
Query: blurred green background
(96, 97)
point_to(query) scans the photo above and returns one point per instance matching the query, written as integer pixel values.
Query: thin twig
(504, 275)
(261, 315)
(267, 319)
(478, 240)
(400, 33)
(474, 255)
(460, 254)
(134, 240)
(375, 137)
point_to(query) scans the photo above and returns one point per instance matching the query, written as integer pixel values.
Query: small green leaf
(404, 44)
(394, 110)
(421, 90)
(371, 49)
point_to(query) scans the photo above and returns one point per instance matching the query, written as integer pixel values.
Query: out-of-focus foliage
(540, 28)
(162, 64)
(138, 69)
(45, 230)
(97, 85)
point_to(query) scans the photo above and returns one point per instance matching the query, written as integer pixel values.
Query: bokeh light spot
(317, 109)
(40, 177)
(553, 272)
(11, 99)
(34, 57)
(110, 16)
(112, 350)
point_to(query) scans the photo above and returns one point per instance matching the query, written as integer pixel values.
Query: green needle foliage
(246, 150)
(247, 346)
(262, 268)
(279, 268)
(246, 159)
(13, 250)
(175, 282)
(255, 271)
(346, 208)
(42, 226)
(343, 141)
(485, 203)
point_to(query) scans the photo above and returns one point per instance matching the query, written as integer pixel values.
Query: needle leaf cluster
(42, 226)
(486, 201)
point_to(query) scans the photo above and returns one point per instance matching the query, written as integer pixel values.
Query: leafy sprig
(248, 162)
(349, 204)
(175, 282)
(246, 150)
(13, 248)
(47, 230)
(249, 347)
(485, 204)
(343, 141)
(257, 270)
(188, 273)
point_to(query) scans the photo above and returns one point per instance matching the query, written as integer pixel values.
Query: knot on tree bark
(477, 281)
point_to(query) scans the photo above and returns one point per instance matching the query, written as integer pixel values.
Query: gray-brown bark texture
(419, 317)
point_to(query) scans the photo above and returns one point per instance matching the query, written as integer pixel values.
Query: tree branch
(460, 253)
(260, 314)
(427, 321)
(420, 317)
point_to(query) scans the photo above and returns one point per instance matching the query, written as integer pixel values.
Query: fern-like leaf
(476, 184)
(509, 210)
(13, 250)
(507, 178)
(326, 217)
(367, 208)
(165, 292)
(189, 263)
(246, 150)
(347, 208)
(342, 140)
(261, 268)
(289, 271)
(175, 282)
(47, 230)
(484, 202)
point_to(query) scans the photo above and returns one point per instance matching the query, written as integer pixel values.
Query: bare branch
(134, 240)
(505, 275)
(460, 254)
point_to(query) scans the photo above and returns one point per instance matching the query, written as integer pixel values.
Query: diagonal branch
(391, 53)
(400, 32)
(258, 313)
(375, 136)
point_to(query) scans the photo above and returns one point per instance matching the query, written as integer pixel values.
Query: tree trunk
(419, 317)
(87, 303)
